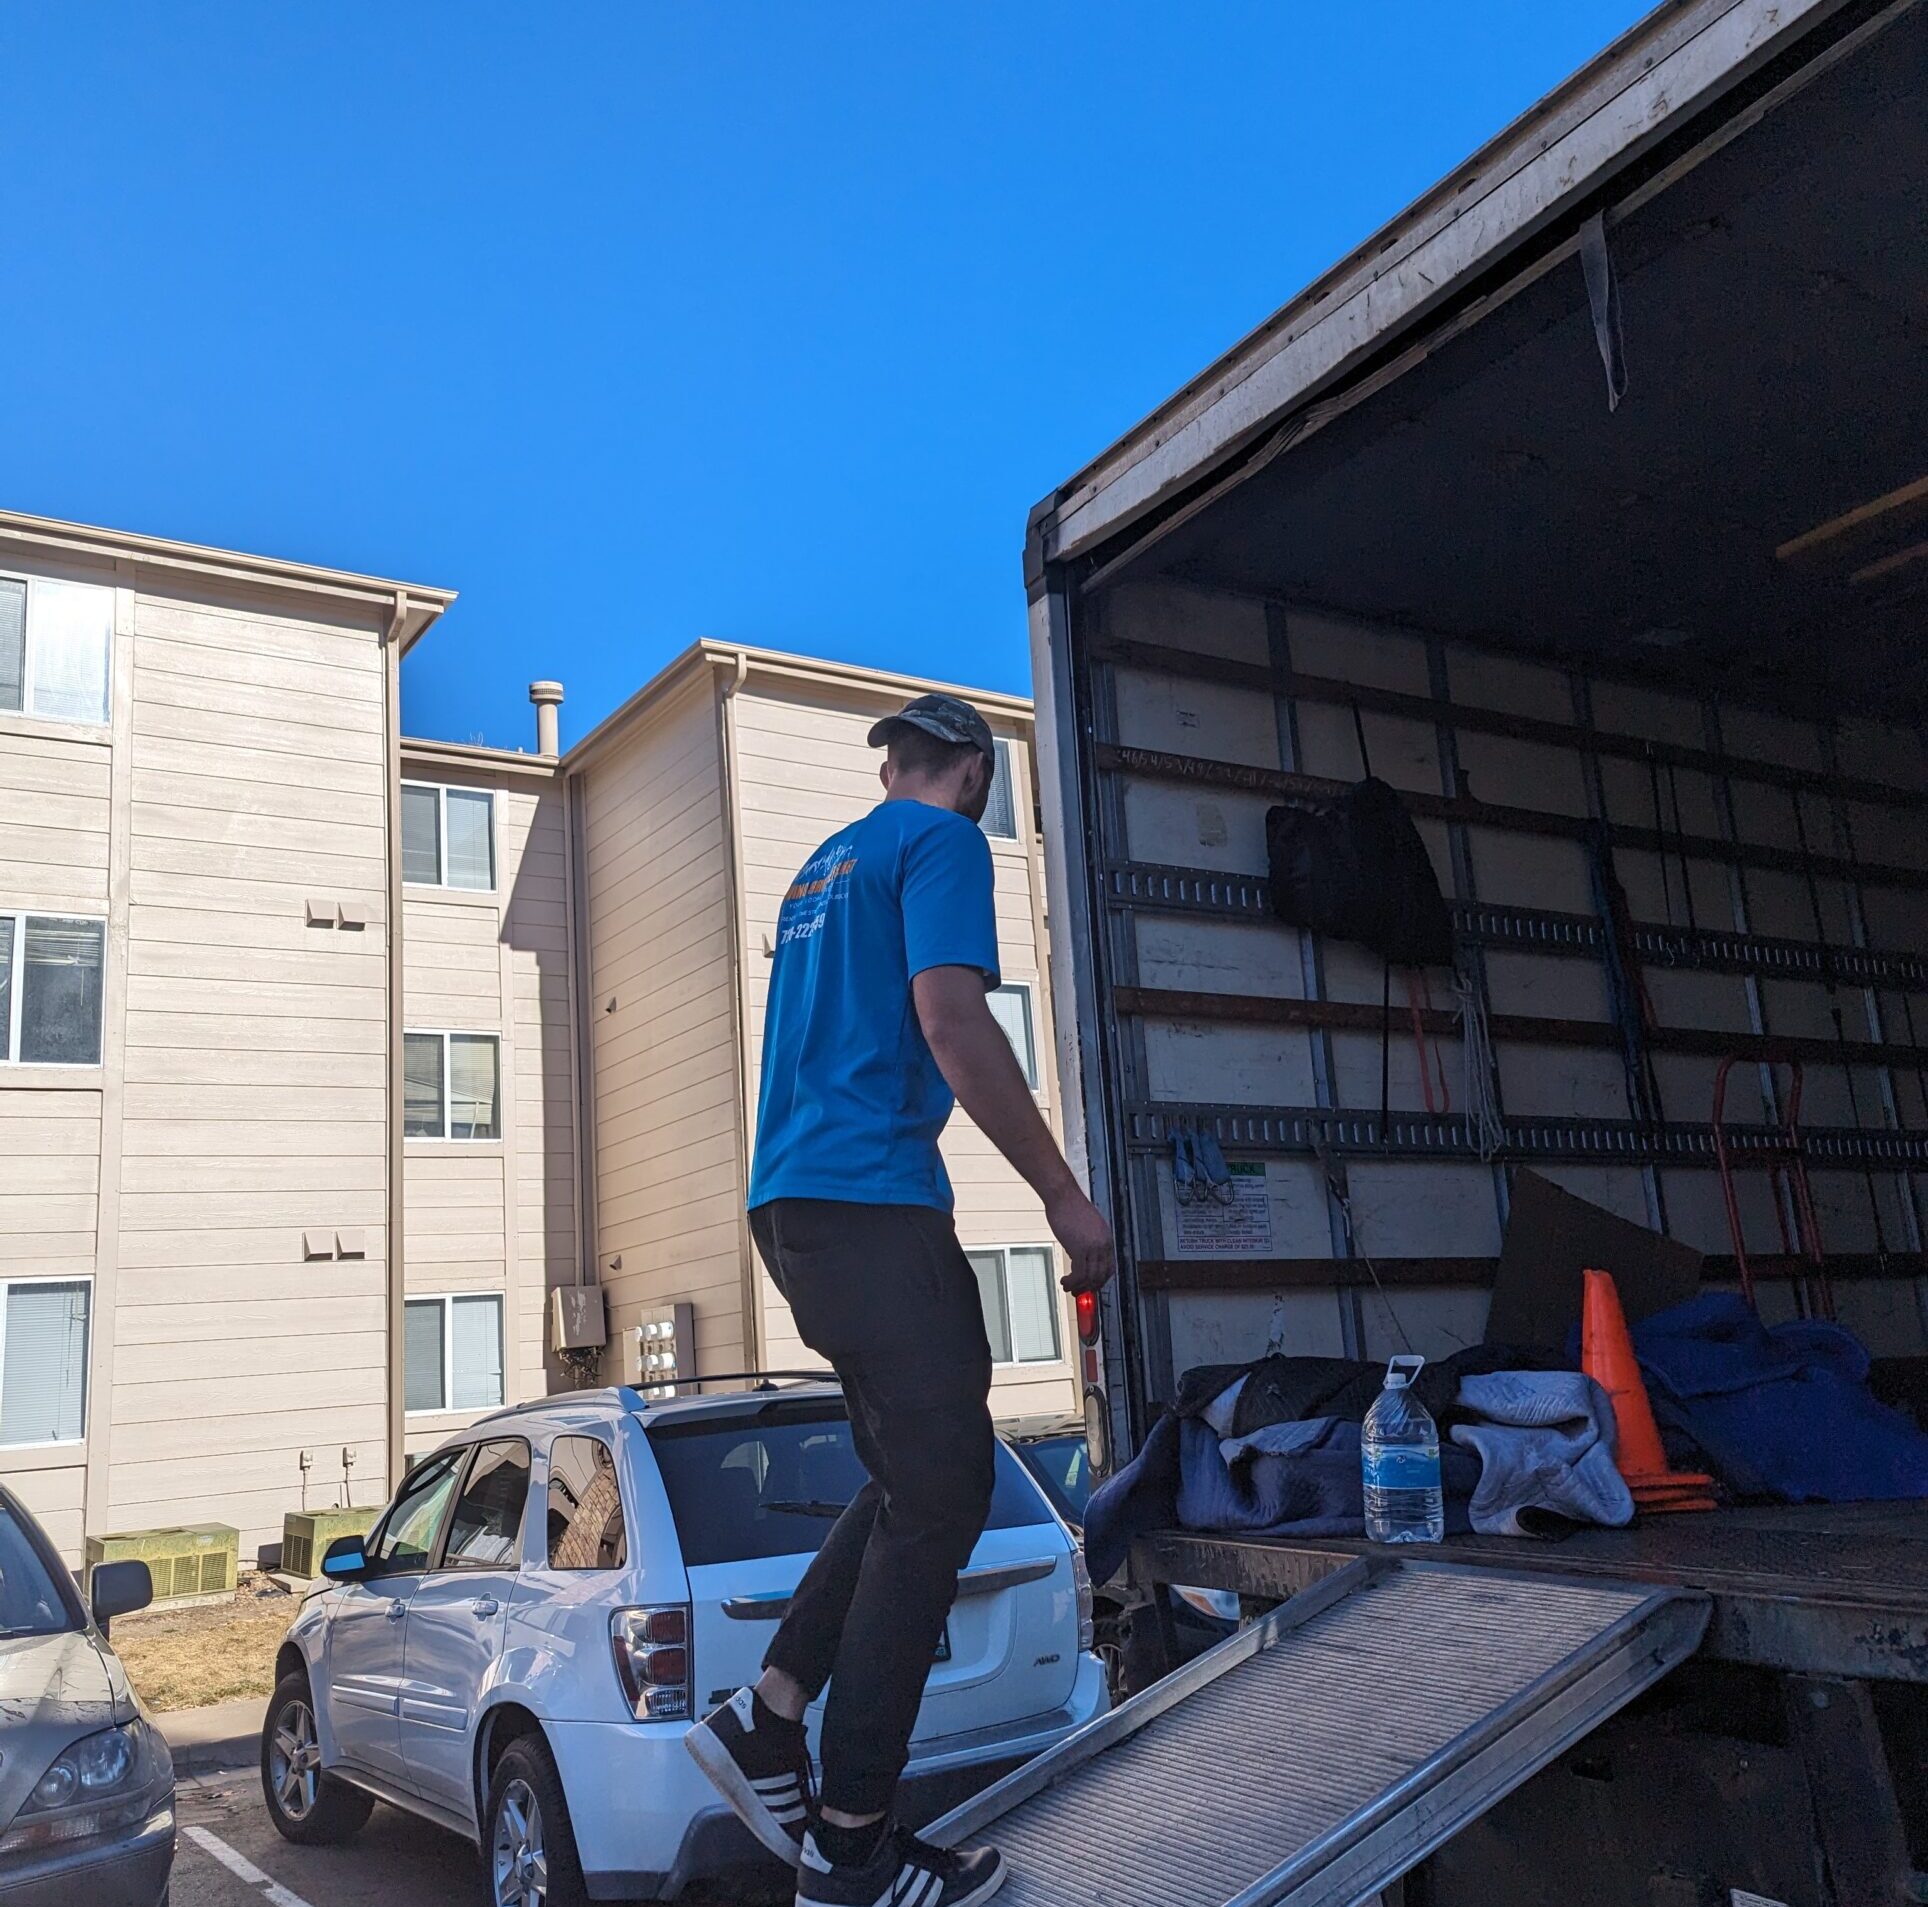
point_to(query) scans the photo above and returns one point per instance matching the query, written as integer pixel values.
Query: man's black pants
(885, 1294)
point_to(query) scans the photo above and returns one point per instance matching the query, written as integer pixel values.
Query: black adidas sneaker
(762, 1772)
(904, 1872)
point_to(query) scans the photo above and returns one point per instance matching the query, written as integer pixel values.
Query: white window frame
(1057, 1303)
(1034, 1073)
(13, 921)
(440, 790)
(1006, 757)
(26, 711)
(87, 1362)
(445, 1034)
(448, 1300)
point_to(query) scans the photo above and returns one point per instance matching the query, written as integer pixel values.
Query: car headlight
(95, 1786)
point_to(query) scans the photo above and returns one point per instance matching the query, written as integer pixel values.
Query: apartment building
(694, 805)
(199, 766)
(325, 1055)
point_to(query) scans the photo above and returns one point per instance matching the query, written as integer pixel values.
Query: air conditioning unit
(190, 1561)
(306, 1534)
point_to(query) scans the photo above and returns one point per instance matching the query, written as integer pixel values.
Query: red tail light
(1087, 1317)
(652, 1648)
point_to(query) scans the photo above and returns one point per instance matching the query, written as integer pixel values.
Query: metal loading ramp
(1314, 1757)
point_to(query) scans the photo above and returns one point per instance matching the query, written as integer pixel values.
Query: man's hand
(1080, 1228)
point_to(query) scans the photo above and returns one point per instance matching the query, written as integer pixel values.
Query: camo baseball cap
(944, 716)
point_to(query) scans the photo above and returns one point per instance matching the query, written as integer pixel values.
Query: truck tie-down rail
(1316, 1756)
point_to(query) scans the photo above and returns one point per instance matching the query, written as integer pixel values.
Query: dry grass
(189, 1658)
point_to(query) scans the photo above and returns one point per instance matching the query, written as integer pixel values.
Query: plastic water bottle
(1399, 1450)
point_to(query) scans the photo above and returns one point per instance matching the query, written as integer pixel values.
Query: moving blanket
(1529, 1451)
(1280, 1484)
(1545, 1442)
(1777, 1411)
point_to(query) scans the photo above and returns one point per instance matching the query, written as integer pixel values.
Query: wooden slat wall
(1448, 1209)
(804, 770)
(497, 1215)
(661, 1022)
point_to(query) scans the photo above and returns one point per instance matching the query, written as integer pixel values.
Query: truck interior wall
(1149, 636)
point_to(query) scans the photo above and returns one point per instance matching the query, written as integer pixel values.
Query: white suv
(554, 1595)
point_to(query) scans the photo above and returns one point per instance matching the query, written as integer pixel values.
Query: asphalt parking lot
(229, 1856)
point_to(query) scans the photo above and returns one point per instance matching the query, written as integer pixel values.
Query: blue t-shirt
(851, 1101)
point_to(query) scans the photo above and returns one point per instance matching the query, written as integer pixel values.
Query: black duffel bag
(1355, 868)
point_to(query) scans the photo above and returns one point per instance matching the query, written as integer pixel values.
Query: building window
(1020, 1303)
(1011, 1009)
(452, 1353)
(1001, 811)
(43, 1360)
(451, 1086)
(56, 647)
(448, 837)
(50, 975)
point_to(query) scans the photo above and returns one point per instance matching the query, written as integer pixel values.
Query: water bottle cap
(1400, 1371)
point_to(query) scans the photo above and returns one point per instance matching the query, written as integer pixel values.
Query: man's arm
(978, 1065)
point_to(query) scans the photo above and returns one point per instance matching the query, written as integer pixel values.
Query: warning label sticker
(1233, 1221)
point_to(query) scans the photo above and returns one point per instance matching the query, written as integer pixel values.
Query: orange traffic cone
(1606, 1355)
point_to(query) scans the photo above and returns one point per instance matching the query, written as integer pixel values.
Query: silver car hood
(53, 1690)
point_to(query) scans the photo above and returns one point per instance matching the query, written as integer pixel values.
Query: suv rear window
(771, 1481)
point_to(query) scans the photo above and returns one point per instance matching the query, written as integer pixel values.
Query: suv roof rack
(757, 1380)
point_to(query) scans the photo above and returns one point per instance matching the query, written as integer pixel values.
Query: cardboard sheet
(1551, 1237)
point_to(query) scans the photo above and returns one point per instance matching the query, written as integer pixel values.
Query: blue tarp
(1777, 1411)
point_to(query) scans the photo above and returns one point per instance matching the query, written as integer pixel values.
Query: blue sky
(635, 323)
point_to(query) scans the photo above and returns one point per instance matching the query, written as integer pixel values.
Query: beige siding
(49, 1189)
(661, 1021)
(254, 1061)
(497, 1215)
(803, 770)
(54, 833)
(53, 822)
(241, 1098)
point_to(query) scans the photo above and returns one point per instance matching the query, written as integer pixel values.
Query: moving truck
(1587, 505)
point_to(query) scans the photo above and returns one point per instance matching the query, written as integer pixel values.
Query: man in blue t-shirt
(876, 1025)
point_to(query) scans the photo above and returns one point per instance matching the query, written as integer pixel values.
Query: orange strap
(1419, 992)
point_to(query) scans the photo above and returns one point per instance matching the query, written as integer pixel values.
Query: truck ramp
(1314, 1757)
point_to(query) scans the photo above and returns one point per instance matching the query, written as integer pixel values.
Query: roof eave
(741, 661)
(422, 751)
(424, 602)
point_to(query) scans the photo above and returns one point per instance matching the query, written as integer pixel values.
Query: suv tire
(528, 1846)
(307, 1806)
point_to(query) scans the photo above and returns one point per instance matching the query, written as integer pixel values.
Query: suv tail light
(652, 1648)
(1087, 1620)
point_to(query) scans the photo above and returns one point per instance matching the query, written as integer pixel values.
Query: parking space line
(243, 1869)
